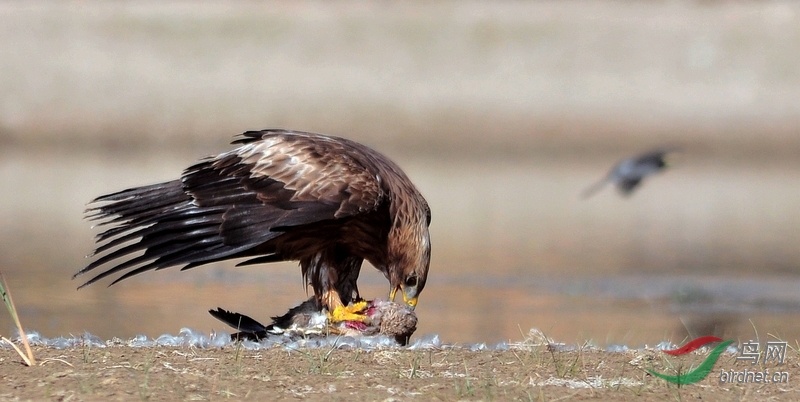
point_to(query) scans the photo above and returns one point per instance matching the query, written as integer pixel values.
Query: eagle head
(409, 255)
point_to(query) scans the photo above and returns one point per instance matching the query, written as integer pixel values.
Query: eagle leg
(353, 312)
(338, 312)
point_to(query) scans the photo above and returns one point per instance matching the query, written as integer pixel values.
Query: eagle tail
(170, 228)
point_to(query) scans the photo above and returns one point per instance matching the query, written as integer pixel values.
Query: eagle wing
(224, 206)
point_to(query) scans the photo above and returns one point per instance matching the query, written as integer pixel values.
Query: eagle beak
(409, 295)
(412, 302)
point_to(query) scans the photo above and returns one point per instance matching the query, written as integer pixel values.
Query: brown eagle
(327, 202)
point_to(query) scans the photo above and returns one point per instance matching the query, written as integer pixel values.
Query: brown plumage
(327, 202)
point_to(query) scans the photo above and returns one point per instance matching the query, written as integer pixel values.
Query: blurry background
(501, 112)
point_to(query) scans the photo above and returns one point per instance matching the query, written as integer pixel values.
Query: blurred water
(501, 112)
(708, 247)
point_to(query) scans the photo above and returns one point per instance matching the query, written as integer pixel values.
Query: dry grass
(12, 310)
(534, 369)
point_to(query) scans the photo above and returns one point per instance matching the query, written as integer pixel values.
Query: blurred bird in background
(628, 174)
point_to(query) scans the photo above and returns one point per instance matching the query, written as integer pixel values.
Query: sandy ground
(530, 371)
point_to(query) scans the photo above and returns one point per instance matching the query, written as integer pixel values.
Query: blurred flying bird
(327, 202)
(629, 173)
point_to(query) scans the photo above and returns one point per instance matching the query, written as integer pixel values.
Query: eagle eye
(411, 281)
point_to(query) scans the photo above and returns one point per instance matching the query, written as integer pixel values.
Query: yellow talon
(349, 313)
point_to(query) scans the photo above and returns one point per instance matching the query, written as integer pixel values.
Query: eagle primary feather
(327, 202)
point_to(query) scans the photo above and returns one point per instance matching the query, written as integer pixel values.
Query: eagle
(328, 202)
(628, 174)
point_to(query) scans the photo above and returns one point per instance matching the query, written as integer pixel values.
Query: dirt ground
(526, 371)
